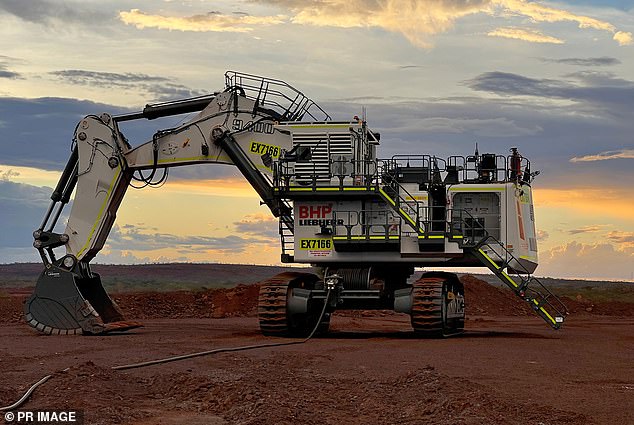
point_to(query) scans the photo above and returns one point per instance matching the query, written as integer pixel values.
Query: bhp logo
(320, 211)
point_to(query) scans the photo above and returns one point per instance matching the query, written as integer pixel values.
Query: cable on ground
(28, 393)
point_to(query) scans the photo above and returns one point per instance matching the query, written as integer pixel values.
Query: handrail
(270, 91)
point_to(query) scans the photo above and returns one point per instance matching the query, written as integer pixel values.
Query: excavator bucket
(64, 303)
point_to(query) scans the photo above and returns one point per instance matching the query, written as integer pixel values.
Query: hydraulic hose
(228, 349)
(28, 393)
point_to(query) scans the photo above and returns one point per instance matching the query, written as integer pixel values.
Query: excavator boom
(229, 128)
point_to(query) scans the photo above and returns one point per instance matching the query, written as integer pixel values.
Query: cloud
(134, 238)
(587, 229)
(260, 225)
(5, 61)
(37, 132)
(8, 74)
(22, 209)
(623, 38)
(604, 156)
(114, 256)
(493, 127)
(210, 22)
(160, 87)
(609, 201)
(251, 231)
(52, 12)
(601, 61)
(602, 260)
(416, 20)
(625, 239)
(542, 235)
(542, 13)
(513, 84)
(7, 175)
(111, 79)
(532, 36)
(587, 87)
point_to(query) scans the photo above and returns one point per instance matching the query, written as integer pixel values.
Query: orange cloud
(525, 35)
(592, 228)
(597, 201)
(623, 38)
(212, 22)
(575, 260)
(625, 239)
(235, 188)
(416, 20)
(620, 154)
(541, 13)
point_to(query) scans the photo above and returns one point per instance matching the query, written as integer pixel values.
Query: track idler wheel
(64, 303)
(275, 314)
(438, 305)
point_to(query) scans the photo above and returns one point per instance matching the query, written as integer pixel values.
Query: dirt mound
(286, 390)
(308, 395)
(216, 303)
(213, 303)
(483, 299)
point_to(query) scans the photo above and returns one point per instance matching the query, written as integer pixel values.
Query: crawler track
(273, 314)
(430, 306)
(427, 306)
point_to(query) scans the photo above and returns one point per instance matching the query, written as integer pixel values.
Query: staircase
(287, 233)
(487, 249)
(392, 193)
(493, 254)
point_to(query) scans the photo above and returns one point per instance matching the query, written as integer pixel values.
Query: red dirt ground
(508, 368)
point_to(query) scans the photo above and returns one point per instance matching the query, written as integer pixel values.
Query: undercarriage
(290, 303)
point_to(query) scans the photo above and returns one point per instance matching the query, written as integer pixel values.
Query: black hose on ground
(228, 349)
(28, 393)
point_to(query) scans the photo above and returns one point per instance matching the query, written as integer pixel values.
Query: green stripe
(488, 259)
(410, 219)
(358, 188)
(386, 196)
(507, 277)
(543, 310)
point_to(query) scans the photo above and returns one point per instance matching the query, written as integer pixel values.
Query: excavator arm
(230, 127)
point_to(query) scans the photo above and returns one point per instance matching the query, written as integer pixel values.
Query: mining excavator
(363, 222)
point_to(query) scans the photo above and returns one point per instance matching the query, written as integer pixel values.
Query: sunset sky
(554, 78)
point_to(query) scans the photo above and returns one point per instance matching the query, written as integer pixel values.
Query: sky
(553, 78)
